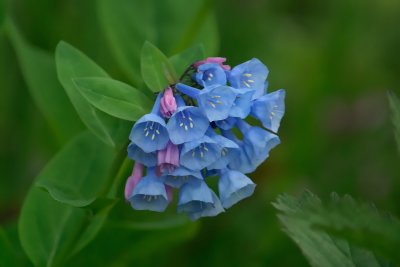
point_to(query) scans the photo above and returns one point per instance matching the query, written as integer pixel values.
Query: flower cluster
(196, 130)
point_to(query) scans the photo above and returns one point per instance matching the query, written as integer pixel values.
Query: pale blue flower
(210, 74)
(137, 154)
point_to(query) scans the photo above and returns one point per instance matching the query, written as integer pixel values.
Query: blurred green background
(336, 59)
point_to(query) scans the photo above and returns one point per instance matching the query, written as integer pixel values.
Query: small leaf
(395, 107)
(184, 59)
(115, 98)
(39, 71)
(52, 232)
(71, 64)
(157, 71)
(78, 173)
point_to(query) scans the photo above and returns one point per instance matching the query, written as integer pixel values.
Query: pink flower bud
(132, 181)
(168, 103)
(168, 158)
(217, 60)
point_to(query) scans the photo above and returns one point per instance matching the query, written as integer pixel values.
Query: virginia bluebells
(200, 129)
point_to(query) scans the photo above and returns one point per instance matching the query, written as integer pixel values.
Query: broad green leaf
(184, 59)
(395, 107)
(52, 232)
(72, 64)
(39, 71)
(78, 173)
(305, 220)
(170, 24)
(157, 71)
(115, 98)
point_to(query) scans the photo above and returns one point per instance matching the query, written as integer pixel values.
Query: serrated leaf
(51, 232)
(72, 64)
(39, 71)
(128, 24)
(184, 59)
(395, 108)
(157, 71)
(78, 173)
(114, 98)
(306, 221)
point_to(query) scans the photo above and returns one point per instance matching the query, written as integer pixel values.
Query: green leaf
(39, 71)
(78, 173)
(2, 12)
(184, 59)
(170, 24)
(395, 107)
(52, 232)
(157, 71)
(115, 98)
(306, 221)
(72, 64)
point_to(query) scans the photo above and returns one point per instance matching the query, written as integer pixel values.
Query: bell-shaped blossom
(168, 158)
(217, 60)
(255, 147)
(229, 151)
(150, 193)
(269, 109)
(200, 153)
(188, 123)
(226, 124)
(234, 186)
(181, 176)
(168, 104)
(138, 155)
(210, 74)
(132, 180)
(198, 200)
(250, 75)
(208, 211)
(242, 105)
(215, 101)
(150, 132)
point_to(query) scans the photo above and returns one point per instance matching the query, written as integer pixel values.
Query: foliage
(338, 233)
(71, 105)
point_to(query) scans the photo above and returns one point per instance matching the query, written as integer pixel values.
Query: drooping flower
(168, 158)
(168, 103)
(234, 186)
(200, 153)
(181, 176)
(229, 151)
(132, 181)
(198, 200)
(215, 101)
(210, 74)
(226, 124)
(137, 154)
(242, 105)
(251, 74)
(150, 193)
(217, 60)
(255, 147)
(149, 132)
(188, 123)
(269, 109)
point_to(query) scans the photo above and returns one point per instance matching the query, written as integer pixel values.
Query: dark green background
(336, 59)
